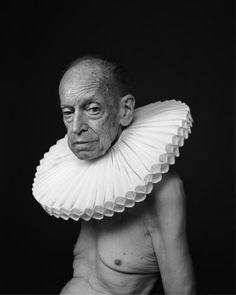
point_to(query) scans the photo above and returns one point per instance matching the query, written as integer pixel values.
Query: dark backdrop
(174, 50)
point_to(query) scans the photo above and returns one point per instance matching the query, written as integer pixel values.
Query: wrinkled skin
(128, 253)
(125, 254)
(91, 111)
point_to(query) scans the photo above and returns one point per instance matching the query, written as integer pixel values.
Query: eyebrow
(83, 102)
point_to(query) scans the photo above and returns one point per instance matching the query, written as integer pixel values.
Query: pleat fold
(67, 187)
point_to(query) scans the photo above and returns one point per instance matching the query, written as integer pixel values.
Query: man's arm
(167, 230)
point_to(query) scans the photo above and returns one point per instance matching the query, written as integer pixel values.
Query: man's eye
(94, 110)
(67, 113)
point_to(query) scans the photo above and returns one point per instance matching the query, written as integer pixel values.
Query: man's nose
(79, 124)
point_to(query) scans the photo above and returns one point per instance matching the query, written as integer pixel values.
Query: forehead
(83, 82)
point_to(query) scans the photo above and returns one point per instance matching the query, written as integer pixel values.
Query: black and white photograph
(118, 148)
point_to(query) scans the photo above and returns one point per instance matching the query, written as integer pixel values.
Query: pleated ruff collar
(67, 187)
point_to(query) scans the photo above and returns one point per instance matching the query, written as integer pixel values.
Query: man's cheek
(99, 127)
(67, 125)
(108, 135)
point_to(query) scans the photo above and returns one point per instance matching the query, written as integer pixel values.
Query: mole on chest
(118, 262)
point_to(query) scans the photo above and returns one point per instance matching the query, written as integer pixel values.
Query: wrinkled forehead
(82, 80)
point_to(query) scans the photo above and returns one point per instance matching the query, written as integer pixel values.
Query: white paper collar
(67, 187)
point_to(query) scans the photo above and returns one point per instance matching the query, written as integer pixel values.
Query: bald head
(87, 74)
(112, 78)
(93, 107)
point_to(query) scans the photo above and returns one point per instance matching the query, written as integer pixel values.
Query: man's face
(90, 113)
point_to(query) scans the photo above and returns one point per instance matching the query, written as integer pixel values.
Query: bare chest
(123, 243)
(127, 249)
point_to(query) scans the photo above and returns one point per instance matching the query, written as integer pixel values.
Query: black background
(174, 50)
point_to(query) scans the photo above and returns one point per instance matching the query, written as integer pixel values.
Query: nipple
(117, 262)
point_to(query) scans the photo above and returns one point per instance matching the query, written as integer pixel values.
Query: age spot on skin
(117, 262)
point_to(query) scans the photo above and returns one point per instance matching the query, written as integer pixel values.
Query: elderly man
(129, 252)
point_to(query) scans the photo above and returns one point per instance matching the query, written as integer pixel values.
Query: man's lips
(83, 141)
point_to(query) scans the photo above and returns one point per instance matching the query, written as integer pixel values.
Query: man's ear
(127, 104)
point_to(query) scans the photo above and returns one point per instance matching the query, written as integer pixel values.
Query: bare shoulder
(167, 206)
(169, 190)
(171, 186)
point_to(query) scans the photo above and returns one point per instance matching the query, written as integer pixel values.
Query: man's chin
(86, 155)
(83, 155)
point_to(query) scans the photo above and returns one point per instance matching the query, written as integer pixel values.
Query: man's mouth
(83, 142)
